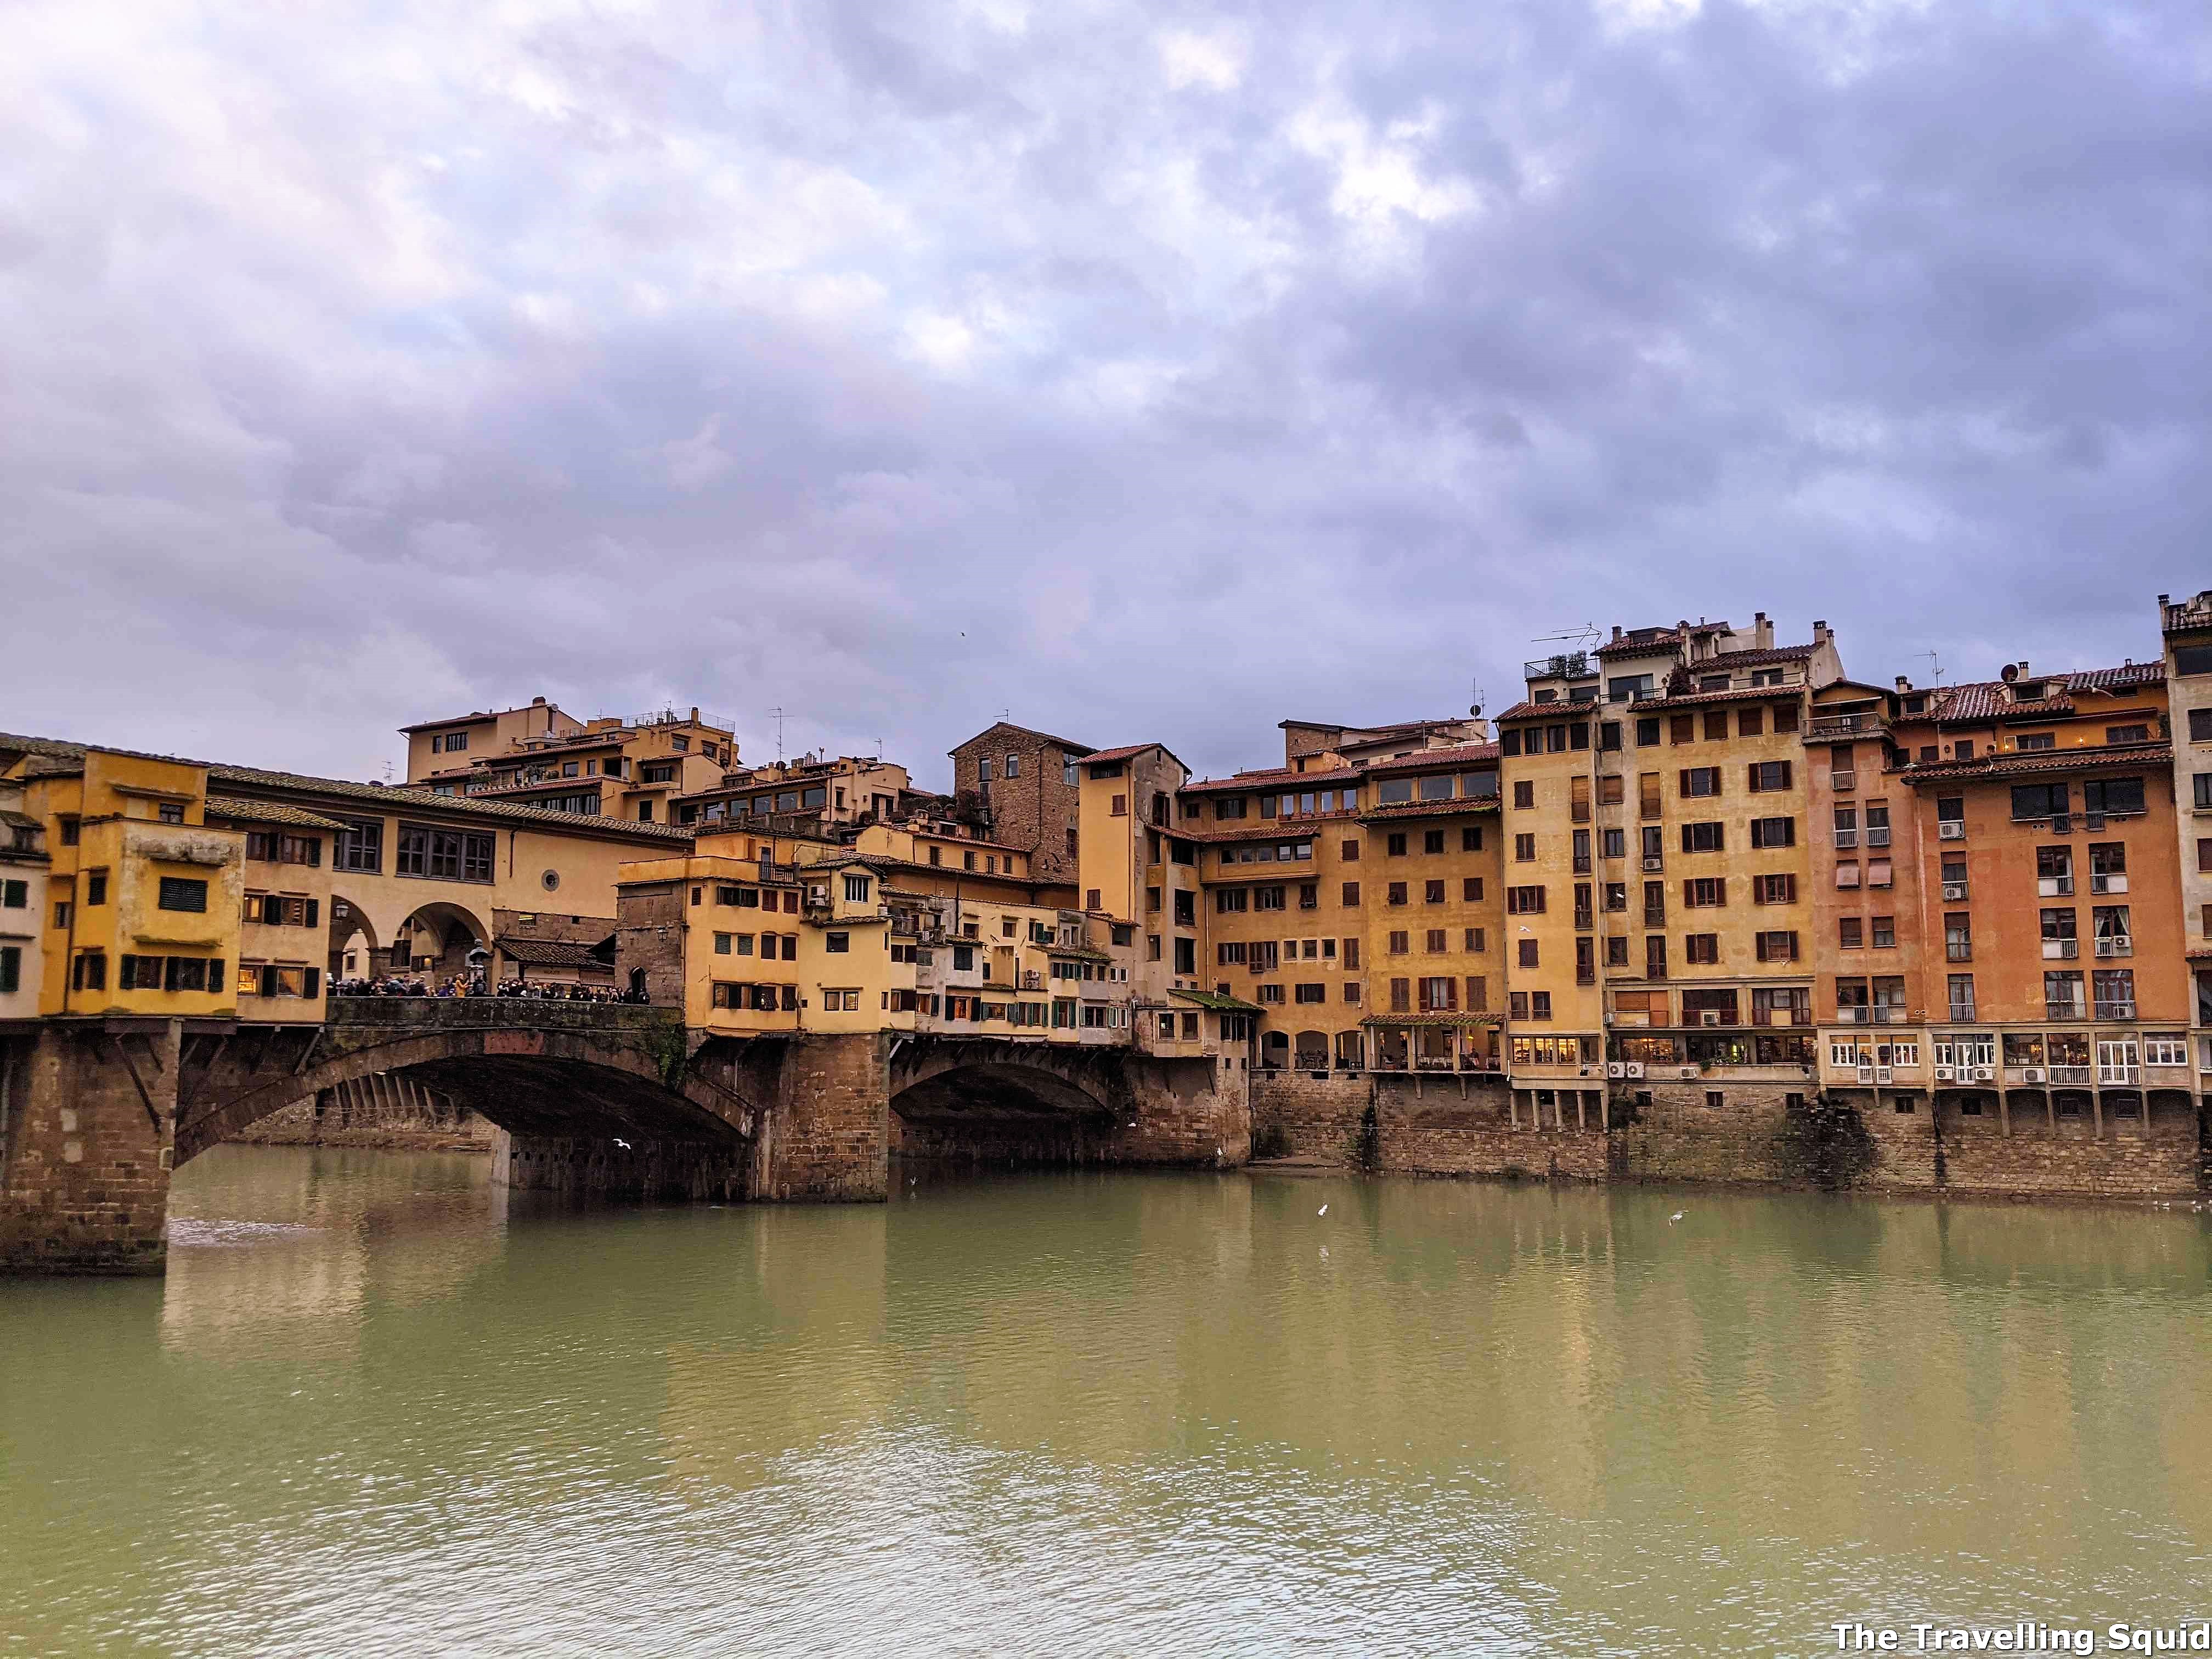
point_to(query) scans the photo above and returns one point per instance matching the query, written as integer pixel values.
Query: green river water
(377, 1406)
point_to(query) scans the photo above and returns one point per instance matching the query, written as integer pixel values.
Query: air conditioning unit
(1866, 1073)
(1711, 1016)
(1950, 829)
(1954, 892)
(1881, 1074)
(1688, 1071)
(1615, 1068)
(1985, 1074)
(1945, 1074)
(1634, 1068)
(2033, 1074)
(1652, 866)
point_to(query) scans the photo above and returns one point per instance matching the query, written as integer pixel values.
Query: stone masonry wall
(1917, 1151)
(1424, 1126)
(84, 1168)
(383, 1111)
(828, 1136)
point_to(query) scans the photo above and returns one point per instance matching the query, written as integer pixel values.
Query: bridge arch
(989, 1101)
(610, 1099)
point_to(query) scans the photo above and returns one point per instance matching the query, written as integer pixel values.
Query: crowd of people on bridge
(475, 985)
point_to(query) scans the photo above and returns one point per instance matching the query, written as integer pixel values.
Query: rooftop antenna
(1935, 667)
(778, 714)
(1587, 635)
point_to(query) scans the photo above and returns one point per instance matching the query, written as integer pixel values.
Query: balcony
(1954, 892)
(2064, 1010)
(1874, 1014)
(2060, 950)
(2069, 1073)
(1585, 975)
(1957, 950)
(1841, 726)
(2054, 886)
(1567, 665)
(2119, 1074)
(1846, 840)
(2115, 883)
(1584, 920)
(2113, 1010)
(2120, 946)
(1843, 780)
(1877, 835)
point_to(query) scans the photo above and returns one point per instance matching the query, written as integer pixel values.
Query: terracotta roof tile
(1430, 808)
(1270, 777)
(2013, 764)
(1465, 754)
(264, 811)
(1691, 699)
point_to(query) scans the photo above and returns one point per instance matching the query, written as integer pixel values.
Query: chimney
(1819, 633)
(1903, 684)
(1616, 630)
(1762, 632)
(538, 703)
(2023, 668)
(695, 713)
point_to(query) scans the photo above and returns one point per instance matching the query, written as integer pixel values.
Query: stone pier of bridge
(597, 1100)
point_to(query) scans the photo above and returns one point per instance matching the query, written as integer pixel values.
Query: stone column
(827, 1136)
(92, 1112)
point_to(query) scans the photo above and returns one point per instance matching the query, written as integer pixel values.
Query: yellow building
(1658, 891)
(284, 925)
(23, 864)
(540, 757)
(144, 896)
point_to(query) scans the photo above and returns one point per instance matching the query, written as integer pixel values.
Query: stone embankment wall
(1445, 1126)
(388, 1112)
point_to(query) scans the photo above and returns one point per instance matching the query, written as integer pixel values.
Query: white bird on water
(620, 1142)
(1323, 1210)
(1674, 1218)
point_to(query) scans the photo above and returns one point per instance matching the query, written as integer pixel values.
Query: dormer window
(1546, 696)
(2028, 690)
(1712, 683)
(1916, 705)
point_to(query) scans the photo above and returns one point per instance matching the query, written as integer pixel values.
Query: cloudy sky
(1146, 370)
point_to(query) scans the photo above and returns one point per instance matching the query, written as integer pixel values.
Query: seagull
(620, 1142)
(1674, 1218)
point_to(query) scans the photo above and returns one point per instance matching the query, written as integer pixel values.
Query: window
(1961, 988)
(1528, 953)
(1524, 901)
(2114, 938)
(170, 811)
(1396, 893)
(2038, 800)
(89, 971)
(1682, 728)
(1655, 956)
(1401, 943)
(1958, 936)
(1774, 890)
(1717, 720)
(1776, 946)
(1310, 993)
(2129, 733)
(1433, 840)
(856, 890)
(95, 888)
(2062, 996)
(1437, 941)
(1767, 776)
(2113, 795)
(1698, 781)
(14, 896)
(2200, 726)
(1432, 892)
(1701, 948)
(445, 854)
(1701, 837)
(1849, 932)
(2114, 989)
(1703, 892)
(1774, 832)
(2029, 742)
(1647, 731)
(1475, 939)
(1524, 849)
(1013, 766)
(1351, 893)
(1470, 887)
(181, 893)
(1394, 846)
(837, 945)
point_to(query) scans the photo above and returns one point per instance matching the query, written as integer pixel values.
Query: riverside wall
(1759, 1135)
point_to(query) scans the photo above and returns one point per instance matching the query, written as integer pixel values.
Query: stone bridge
(606, 1099)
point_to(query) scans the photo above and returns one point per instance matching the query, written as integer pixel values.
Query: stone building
(1029, 789)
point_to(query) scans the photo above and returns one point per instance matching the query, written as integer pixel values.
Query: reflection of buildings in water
(805, 1360)
(268, 1242)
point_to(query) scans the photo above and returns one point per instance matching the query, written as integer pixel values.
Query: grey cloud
(1200, 366)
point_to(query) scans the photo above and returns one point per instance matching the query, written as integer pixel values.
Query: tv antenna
(1588, 634)
(777, 714)
(1935, 667)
